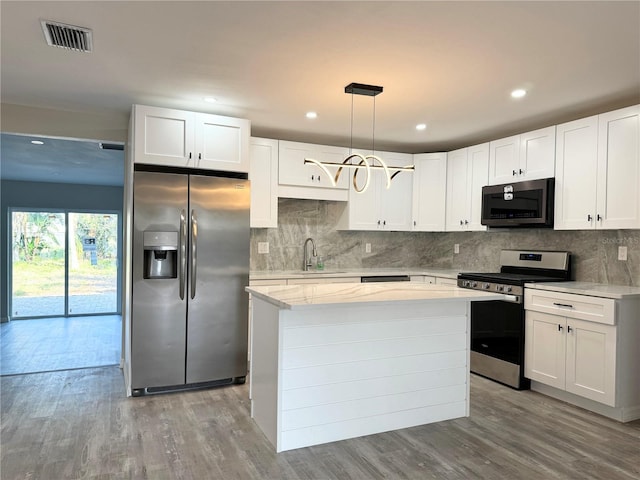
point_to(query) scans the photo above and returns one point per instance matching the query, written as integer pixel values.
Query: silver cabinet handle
(598, 217)
(183, 251)
(194, 252)
(589, 217)
(514, 173)
(569, 329)
(562, 305)
(521, 171)
(559, 327)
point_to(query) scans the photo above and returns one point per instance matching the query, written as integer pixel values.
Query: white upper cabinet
(598, 172)
(300, 180)
(264, 183)
(527, 156)
(429, 192)
(618, 191)
(379, 208)
(467, 173)
(178, 138)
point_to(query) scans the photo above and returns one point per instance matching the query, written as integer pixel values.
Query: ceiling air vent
(70, 37)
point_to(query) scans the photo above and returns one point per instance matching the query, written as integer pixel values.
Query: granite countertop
(335, 294)
(587, 288)
(354, 272)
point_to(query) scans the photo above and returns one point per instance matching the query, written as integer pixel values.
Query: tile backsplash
(595, 252)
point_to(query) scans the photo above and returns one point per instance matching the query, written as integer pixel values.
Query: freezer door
(158, 320)
(218, 274)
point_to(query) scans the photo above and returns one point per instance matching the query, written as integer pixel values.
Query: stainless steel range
(497, 327)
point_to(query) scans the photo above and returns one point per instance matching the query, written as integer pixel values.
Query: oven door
(497, 341)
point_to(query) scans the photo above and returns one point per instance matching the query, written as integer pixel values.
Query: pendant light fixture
(366, 162)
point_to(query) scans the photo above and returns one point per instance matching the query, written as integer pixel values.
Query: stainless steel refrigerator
(190, 265)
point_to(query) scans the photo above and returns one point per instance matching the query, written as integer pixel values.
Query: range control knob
(486, 286)
(465, 283)
(500, 288)
(509, 289)
(474, 284)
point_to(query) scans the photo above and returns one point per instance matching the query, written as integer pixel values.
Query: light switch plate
(367, 248)
(622, 253)
(456, 248)
(263, 247)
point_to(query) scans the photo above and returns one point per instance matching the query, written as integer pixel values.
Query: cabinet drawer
(593, 309)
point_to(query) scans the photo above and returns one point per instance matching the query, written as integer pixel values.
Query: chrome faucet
(306, 261)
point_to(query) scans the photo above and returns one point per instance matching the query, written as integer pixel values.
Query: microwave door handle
(183, 252)
(194, 252)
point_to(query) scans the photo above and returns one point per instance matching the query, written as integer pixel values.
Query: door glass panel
(37, 256)
(93, 263)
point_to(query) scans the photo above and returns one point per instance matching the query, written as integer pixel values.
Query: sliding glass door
(93, 263)
(38, 264)
(64, 263)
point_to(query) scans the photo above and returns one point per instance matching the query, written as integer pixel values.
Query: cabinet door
(504, 162)
(456, 209)
(591, 360)
(395, 201)
(163, 136)
(429, 192)
(544, 348)
(537, 154)
(576, 169)
(221, 143)
(363, 209)
(619, 169)
(293, 171)
(264, 183)
(326, 153)
(477, 177)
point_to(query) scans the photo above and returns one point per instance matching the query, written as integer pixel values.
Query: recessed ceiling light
(518, 93)
(210, 100)
(421, 126)
(312, 115)
(37, 142)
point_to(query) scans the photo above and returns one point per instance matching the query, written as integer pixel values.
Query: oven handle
(512, 298)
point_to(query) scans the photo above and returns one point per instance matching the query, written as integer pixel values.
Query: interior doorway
(63, 263)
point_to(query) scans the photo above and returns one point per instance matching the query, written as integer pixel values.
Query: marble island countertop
(353, 272)
(588, 288)
(317, 295)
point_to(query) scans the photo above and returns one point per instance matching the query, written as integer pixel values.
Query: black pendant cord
(351, 143)
(373, 133)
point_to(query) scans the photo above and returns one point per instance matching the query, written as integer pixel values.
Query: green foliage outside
(38, 254)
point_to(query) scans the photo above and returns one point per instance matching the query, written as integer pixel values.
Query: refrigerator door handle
(183, 252)
(194, 252)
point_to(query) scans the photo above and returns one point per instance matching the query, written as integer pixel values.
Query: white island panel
(348, 371)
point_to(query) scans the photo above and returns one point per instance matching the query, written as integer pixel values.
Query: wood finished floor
(79, 424)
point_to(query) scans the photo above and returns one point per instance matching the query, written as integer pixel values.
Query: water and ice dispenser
(160, 255)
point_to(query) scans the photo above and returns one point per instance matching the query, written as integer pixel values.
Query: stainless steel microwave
(519, 204)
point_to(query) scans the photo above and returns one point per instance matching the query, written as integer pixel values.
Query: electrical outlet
(367, 248)
(622, 253)
(263, 247)
(456, 248)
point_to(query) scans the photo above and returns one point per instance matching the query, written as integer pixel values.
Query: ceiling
(450, 65)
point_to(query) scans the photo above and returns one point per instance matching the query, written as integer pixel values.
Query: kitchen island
(337, 361)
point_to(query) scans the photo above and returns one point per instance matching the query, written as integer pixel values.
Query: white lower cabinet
(571, 354)
(586, 349)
